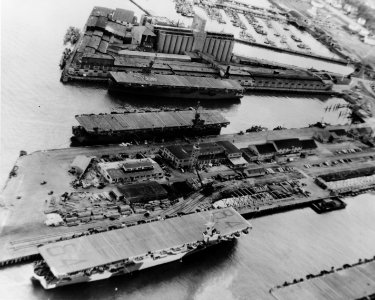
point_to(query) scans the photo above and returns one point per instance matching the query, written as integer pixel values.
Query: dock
(339, 61)
(26, 198)
(356, 282)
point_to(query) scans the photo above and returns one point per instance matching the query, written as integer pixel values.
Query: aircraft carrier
(173, 86)
(111, 253)
(149, 126)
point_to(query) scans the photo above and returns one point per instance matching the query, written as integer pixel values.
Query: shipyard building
(190, 156)
(281, 148)
(143, 192)
(130, 170)
(176, 40)
(114, 46)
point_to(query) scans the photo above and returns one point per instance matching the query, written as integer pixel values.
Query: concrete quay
(24, 199)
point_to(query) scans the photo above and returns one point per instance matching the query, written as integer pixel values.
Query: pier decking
(24, 197)
(353, 283)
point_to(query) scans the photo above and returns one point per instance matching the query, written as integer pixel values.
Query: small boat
(327, 205)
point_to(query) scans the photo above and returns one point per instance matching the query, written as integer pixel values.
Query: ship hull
(144, 135)
(175, 93)
(145, 264)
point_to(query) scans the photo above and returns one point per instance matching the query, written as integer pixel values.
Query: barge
(327, 205)
(146, 126)
(173, 86)
(117, 252)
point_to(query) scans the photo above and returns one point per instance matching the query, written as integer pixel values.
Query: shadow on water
(291, 95)
(87, 84)
(146, 102)
(192, 267)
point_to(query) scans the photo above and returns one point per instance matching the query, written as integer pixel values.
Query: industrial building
(143, 192)
(188, 156)
(260, 152)
(265, 78)
(178, 40)
(287, 146)
(308, 146)
(270, 150)
(80, 164)
(234, 154)
(112, 43)
(130, 170)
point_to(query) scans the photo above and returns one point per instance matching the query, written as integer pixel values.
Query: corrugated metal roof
(139, 191)
(78, 254)
(308, 144)
(116, 28)
(123, 15)
(91, 22)
(84, 42)
(229, 147)
(101, 11)
(102, 22)
(94, 42)
(175, 81)
(147, 120)
(182, 68)
(287, 143)
(103, 46)
(267, 148)
(98, 33)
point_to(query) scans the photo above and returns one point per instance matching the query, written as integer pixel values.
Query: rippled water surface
(279, 248)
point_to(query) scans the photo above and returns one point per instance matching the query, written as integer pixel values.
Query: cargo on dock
(172, 86)
(120, 127)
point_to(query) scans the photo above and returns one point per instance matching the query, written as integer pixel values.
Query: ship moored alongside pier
(122, 251)
(140, 126)
(172, 86)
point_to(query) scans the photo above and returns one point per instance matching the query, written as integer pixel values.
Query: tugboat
(327, 205)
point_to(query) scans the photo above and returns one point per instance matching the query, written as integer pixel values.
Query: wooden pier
(339, 61)
(357, 282)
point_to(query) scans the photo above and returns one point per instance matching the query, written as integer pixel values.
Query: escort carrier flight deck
(140, 126)
(111, 253)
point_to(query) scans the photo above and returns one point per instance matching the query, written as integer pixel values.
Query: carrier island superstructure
(126, 127)
(111, 253)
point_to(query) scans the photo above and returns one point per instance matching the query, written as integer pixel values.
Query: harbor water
(37, 112)
(280, 248)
